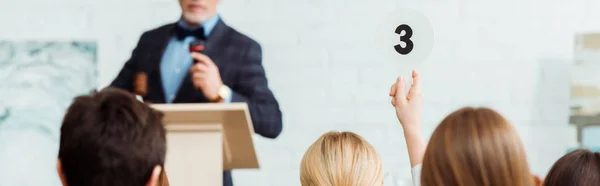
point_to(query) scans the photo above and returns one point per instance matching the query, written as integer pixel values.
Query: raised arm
(408, 110)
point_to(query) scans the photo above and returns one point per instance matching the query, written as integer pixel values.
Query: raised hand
(408, 107)
(408, 110)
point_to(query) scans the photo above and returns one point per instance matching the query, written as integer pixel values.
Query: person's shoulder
(158, 31)
(242, 39)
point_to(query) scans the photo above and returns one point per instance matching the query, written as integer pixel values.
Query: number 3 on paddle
(404, 38)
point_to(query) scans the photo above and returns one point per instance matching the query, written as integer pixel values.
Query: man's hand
(408, 107)
(206, 77)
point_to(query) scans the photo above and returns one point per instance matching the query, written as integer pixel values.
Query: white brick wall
(510, 55)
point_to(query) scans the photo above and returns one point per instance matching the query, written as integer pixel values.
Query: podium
(205, 139)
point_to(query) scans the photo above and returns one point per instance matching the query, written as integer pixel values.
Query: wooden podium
(205, 139)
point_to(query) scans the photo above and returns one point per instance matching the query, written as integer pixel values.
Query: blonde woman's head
(341, 159)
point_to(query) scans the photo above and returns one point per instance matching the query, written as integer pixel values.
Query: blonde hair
(341, 159)
(475, 146)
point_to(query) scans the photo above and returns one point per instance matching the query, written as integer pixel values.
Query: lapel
(157, 48)
(215, 39)
(214, 43)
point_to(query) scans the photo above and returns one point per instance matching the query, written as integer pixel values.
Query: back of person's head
(341, 159)
(110, 138)
(475, 146)
(578, 168)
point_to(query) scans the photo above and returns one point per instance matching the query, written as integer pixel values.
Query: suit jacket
(239, 59)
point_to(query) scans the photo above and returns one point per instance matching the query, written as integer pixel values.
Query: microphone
(197, 46)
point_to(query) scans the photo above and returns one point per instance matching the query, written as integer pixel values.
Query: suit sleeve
(252, 87)
(125, 78)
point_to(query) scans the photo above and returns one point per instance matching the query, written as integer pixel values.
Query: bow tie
(182, 33)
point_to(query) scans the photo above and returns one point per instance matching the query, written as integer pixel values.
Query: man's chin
(194, 19)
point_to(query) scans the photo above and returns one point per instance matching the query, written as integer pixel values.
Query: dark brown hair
(475, 146)
(110, 138)
(578, 168)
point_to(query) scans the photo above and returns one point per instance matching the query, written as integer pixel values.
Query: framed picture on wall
(38, 81)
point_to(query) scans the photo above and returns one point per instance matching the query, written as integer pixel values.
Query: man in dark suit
(162, 70)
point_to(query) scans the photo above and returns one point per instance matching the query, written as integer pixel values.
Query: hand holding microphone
(205, 74)
(197, 46)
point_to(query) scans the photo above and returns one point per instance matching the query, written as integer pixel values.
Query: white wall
(512, 55)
